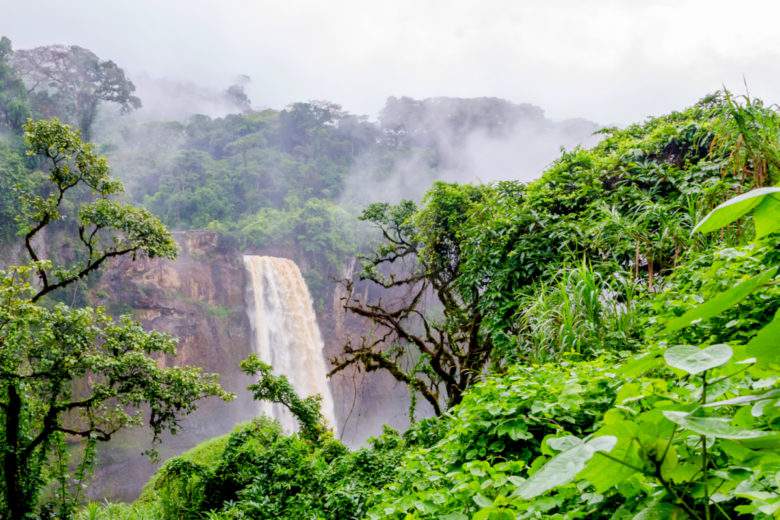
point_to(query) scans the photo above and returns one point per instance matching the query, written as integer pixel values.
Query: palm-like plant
(746, 136)
(577, 313)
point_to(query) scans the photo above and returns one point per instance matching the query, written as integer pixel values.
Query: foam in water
(286, 334)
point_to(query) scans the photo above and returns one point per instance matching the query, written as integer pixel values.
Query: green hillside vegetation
(605, 343)
(630, 303)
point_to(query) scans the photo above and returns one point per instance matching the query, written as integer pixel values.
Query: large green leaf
(603, 472)
(744, 399)
(562, 468)
(719, 427)
(722, 301)
(695, 360)
(740, 206)
(766, 216)
(765, 346)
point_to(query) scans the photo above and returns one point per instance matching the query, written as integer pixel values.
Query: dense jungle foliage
(632, 297)
(295, 179)
(606, 344)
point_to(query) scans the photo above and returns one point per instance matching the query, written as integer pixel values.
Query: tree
(439, 356)
(75, 373)
(71, 82)
(14, 109)
(13, 172)
(278, 389)
(236, 93)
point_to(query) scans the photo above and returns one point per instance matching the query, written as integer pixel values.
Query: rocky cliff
(201, 299)
(198, 298)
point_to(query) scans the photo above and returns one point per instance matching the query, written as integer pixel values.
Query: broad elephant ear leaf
(765, 346)
(765, 202)
(695, 360)
(562, 468)
(766, 216)
(718, 427)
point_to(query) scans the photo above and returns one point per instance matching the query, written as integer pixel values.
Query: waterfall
(286, 334)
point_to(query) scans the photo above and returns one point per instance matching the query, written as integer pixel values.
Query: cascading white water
(286, 334)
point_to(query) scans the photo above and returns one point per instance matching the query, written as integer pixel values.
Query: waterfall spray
(285, 332)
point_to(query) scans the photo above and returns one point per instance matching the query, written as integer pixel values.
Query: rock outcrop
(198, 298)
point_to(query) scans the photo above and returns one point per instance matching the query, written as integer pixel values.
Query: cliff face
(198, 298)
(364, 402)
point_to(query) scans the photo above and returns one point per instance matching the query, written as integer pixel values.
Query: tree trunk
(636, 260)
(650, 273)
(14, 495)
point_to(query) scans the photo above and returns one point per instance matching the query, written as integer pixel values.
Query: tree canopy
(14, 106)
(70, 82)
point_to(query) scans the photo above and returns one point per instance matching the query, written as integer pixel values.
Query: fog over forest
(352, 260)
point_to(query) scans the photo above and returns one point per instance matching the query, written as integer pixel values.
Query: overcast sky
(610, 61)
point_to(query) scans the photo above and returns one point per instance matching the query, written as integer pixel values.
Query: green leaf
(737, 207)
(482, 501)
(661, 511)
(743, 399)
(695, 360)
(562, 468)
(718, 427)
(765, 346)
(766, 217)
(563, 443)
(604, 473)
(722, 301)
(493, 514)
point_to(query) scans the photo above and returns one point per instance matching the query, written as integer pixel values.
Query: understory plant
(259, 471)
(581, 312)
(695, 431)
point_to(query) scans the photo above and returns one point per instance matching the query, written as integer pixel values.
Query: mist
(608, 61)
(221, 159)
(475, 140)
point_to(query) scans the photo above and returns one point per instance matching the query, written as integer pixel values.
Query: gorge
(225, 303)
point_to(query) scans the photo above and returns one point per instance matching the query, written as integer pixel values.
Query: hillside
(462, 309)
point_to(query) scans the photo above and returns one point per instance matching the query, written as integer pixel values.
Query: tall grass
(109, 511)
(746, 136)
(581, 313)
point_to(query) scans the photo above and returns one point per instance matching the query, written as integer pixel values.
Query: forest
(600, 342)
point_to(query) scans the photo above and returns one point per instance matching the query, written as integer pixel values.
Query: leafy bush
(626, 205)
(258, 472)
(493, 436)
(139, 511)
